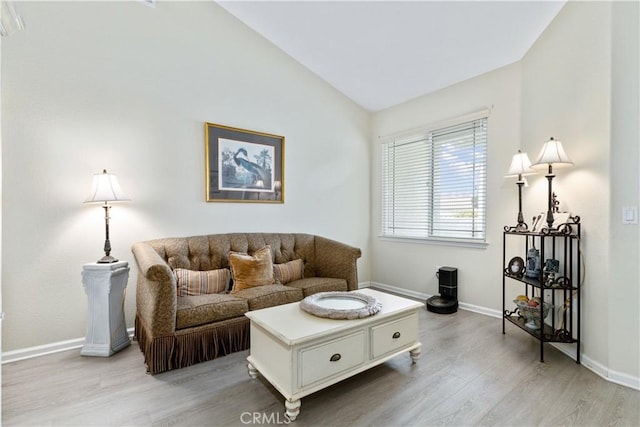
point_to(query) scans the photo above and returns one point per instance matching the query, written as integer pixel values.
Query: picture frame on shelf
(550, 271)
(243, 165)
(516, 267)
(551, 265)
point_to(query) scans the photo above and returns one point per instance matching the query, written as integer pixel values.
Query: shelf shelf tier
(536, 283)
(546, 334)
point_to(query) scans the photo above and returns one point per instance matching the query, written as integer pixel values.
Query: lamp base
(107, 259)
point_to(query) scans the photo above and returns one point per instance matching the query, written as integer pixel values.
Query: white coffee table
(299, 353)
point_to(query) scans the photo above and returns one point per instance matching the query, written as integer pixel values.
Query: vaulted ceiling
(382, 53)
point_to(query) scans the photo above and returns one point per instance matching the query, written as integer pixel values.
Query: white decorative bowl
(341, 305)
(532, 314)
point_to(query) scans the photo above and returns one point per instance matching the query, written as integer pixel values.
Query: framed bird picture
(243, 165)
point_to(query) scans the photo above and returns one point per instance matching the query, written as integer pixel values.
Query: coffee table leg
(415, 354)
(293, 408)
(253, 372)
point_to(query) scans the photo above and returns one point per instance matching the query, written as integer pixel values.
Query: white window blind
(434, 183)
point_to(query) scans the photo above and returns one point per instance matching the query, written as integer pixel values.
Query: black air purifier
(447, 301)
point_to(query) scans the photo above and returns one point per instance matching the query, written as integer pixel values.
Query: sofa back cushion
(212, 252)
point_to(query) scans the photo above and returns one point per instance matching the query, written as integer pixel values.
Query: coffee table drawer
(331, 358)
(393, 335)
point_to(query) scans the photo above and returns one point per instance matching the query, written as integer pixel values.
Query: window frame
(425, 132)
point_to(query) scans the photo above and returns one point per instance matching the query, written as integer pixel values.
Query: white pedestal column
(106, 329)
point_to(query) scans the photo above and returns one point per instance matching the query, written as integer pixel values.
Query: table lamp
(520, 166)
(552, 154)
(106, 189)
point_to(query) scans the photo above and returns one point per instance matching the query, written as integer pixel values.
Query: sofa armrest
(337, 260)
(156, 292)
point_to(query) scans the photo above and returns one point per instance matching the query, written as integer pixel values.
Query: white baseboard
(568, 349)
(424, 297)
(42, 350)
(623, 379)
(395, 290)
(608, 374)
(481, 310)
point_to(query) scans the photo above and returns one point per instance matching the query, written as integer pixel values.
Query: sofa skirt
(193, 345)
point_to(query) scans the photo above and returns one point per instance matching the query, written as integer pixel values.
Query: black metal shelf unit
(557, 282)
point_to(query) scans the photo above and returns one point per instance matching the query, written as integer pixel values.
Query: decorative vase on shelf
(533, 263)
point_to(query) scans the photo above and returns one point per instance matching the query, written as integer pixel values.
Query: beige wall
(126, 87)
(566, 94)
(122, 86)
(580, 83)
(568, 86)
(412, 266)
(624, 273)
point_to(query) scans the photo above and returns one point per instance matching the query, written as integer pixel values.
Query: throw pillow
(251, 270)
(289, 271)
(202, 282)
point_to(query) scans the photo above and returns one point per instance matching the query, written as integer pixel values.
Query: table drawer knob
(396, 335)
(335, 357)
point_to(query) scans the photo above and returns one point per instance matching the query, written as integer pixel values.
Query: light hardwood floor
(469, 374)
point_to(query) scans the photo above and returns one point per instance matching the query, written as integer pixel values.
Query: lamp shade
(106, 189)
(552, 153)
(520, 165)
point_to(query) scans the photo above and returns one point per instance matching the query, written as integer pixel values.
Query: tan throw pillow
(289, 271)
(202, 282)
(251, 270)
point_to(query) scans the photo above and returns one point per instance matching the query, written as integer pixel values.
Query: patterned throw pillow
(289, 271)
(202, 282)
(251, 270)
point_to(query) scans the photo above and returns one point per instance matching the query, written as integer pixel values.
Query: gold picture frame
(243, 165)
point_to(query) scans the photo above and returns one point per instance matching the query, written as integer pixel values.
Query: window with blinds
(434, 183)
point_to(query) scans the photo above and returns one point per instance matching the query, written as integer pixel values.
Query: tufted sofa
(175, 332)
